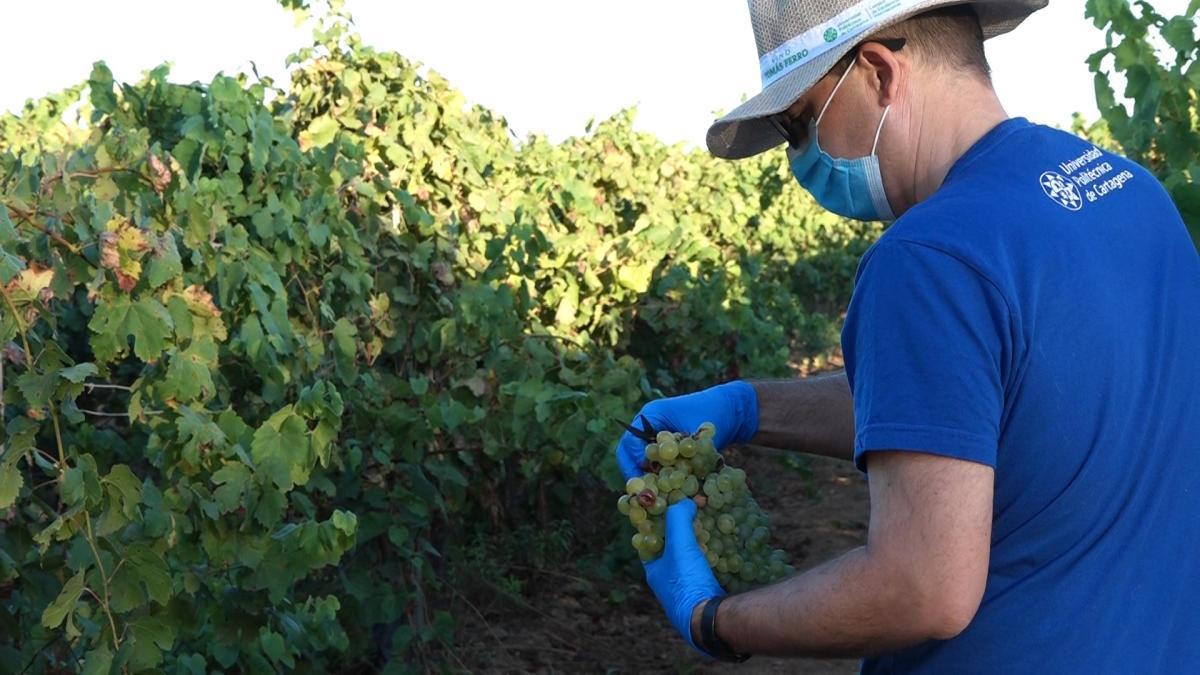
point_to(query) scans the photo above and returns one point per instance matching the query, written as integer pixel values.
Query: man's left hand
(681, 578)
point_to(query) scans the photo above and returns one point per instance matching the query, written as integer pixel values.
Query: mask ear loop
(880, 129)
(834, 92)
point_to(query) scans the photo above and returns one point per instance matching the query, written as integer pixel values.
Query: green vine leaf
(151, 636)
(64, 604)
(98, 661)
(151, 570)
(146, 321)
(125, 489)
(165, 264)
(281, 449)
(11, 481)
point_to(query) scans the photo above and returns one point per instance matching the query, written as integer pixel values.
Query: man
(1021, 370)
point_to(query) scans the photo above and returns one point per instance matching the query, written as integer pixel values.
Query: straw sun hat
(799, 41)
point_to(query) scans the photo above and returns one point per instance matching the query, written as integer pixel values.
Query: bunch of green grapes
(732, 530)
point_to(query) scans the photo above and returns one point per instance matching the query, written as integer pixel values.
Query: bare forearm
(812, 414)
(920, 577)
(847, 607)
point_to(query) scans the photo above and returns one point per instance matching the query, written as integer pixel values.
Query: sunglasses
(795, 129)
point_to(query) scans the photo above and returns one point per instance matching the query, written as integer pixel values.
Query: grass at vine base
(571, 626)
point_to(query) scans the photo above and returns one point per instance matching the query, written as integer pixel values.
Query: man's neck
(946, 127)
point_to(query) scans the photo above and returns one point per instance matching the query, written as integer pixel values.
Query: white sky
(546, 65)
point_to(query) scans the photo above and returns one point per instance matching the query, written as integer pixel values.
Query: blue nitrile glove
(681, 578)
(732, 407)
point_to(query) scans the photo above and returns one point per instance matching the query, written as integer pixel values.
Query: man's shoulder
(1019, 189)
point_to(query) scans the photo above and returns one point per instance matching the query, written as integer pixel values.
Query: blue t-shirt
(1040, 313)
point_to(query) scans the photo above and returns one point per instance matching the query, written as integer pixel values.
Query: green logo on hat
(831, 34)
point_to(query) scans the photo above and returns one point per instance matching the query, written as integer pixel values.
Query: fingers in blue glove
(681, 537)
(681, 578)
(631, 450)
(732, 407)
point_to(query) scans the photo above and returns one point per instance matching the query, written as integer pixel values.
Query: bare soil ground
(574, 624)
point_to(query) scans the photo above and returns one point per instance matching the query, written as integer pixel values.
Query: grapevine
(272, 358)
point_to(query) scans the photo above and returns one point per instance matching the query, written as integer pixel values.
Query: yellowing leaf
(320, 132)
(29, 284)
(635, 278)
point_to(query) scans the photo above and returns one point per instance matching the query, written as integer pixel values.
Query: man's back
(1074, 291)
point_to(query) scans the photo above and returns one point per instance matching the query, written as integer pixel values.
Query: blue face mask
(848, 187)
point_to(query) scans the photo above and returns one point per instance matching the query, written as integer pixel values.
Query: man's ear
(886, 70)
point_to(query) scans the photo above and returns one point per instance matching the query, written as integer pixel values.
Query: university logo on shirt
(1061, 190)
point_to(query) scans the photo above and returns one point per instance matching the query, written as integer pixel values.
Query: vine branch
(27, 217)
(91, 540)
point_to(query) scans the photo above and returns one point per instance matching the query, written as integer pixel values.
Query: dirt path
(575, 624)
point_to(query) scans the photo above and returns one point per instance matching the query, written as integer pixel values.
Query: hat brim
(746, 130)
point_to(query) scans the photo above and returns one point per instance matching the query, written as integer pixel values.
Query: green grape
(623, 505)
(675, 496)
(690, 486)
(725, 523)
(645, 527)
(707, 429)
(652, 452)
(715, 544)
(668, 451)
(712, 558)
(664, 436)
(636, 514)
(724, 483)
(634, 485)
(652, 542)
(659, 507)
(749, 571)
(703, 536)
(688, 448)
(710, 487)
(651, 481)
(723, 566)
(698, 465)
(731, 542)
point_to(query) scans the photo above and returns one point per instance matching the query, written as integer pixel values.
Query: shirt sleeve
(925, 340)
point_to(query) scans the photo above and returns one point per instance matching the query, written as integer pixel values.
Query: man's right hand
(731, 407)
